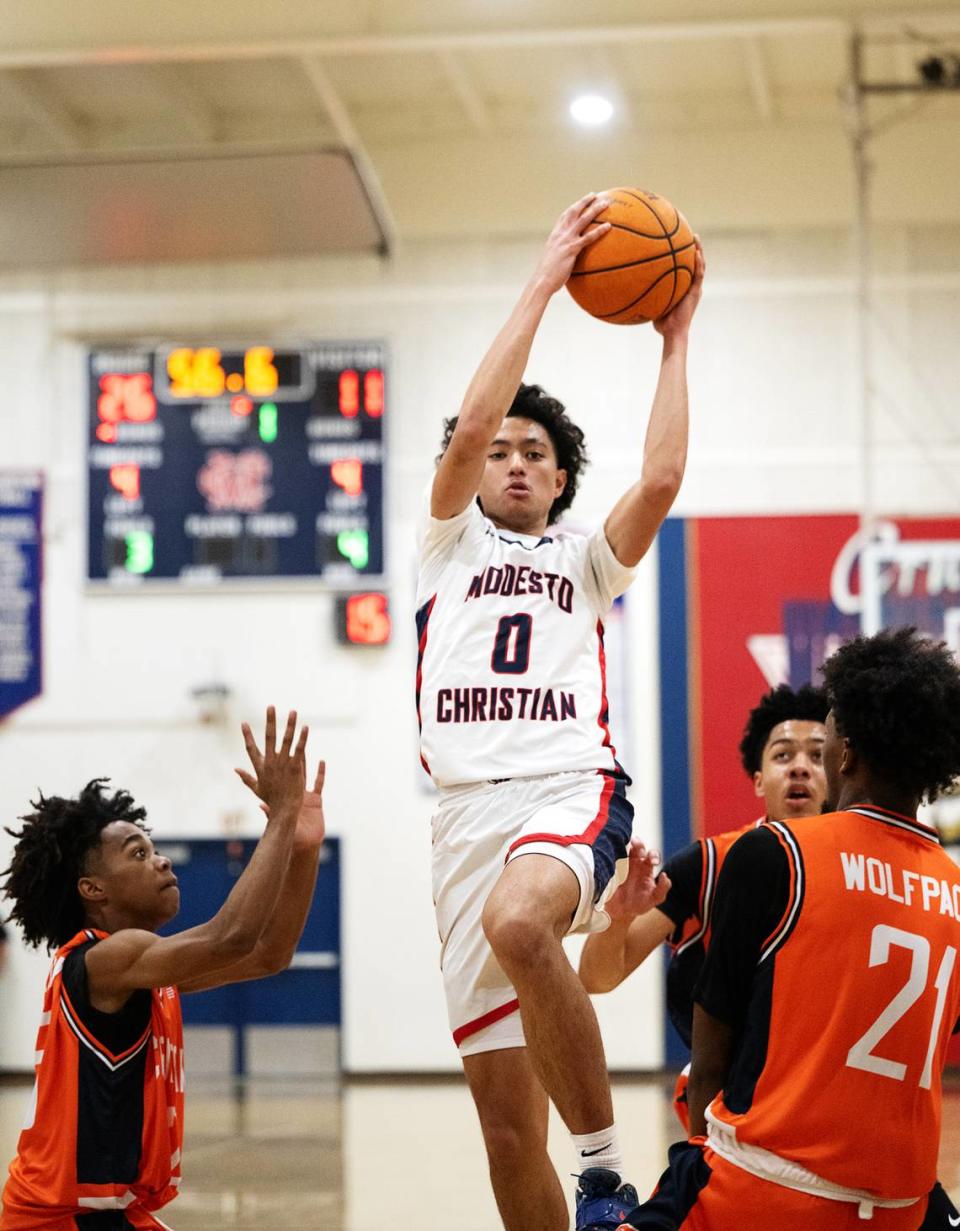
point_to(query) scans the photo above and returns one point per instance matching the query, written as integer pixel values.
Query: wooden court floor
(364, 1154)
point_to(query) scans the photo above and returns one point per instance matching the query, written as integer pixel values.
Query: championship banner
(21, 575)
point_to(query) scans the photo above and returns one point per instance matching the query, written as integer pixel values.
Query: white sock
(598, 1150)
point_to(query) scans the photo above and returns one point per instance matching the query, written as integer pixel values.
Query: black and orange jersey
(842, 985)
(693, 876)
(104, 1130)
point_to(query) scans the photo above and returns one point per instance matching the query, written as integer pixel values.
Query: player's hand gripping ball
(642, 267)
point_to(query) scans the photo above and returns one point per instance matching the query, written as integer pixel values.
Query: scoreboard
(209, 464)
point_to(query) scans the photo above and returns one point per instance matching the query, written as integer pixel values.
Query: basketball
(642, 267)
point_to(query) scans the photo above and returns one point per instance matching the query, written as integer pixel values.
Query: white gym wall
(774, 386)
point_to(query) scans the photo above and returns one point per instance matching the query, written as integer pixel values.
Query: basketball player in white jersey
(511, 699)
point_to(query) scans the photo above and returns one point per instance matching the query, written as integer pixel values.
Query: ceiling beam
(179, 92)
(40, 104)
(236, 34)
(426, 42)
(462, 84)
(758, 75)
(349, 137)
(333, 105)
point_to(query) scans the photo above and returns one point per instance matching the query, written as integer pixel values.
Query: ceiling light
(591, 109)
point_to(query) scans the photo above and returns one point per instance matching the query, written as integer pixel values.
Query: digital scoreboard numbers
(210, 464)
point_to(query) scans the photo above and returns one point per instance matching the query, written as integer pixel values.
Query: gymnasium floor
(357, 1157)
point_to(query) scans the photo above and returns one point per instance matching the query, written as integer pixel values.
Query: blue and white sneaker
(602, 1201)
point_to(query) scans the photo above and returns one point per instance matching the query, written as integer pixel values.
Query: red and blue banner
(746, 603)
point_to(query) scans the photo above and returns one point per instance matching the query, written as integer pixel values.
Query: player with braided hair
(826, 1003)
(101, 1146)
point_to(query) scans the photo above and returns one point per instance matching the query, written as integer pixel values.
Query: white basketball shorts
(582, 818)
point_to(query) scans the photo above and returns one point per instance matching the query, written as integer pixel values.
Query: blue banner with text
(21, 578)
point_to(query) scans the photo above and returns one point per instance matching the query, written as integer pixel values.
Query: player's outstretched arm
(638, 515)
(131, 958)
(636, 929)
(710, 1060)
(495, 383)
(278, 942)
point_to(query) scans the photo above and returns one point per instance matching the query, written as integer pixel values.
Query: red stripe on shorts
(478, 1023)
(589, 834)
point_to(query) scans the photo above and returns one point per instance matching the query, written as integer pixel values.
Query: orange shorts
(35, 1219)
(700, 1191)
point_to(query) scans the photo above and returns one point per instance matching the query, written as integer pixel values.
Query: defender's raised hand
(643, 889)
(279, 774)
(574, 230)
(311, 826)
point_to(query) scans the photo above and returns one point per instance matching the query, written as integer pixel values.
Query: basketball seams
(673, 251)
(622, 226)
(646, 260)
(611, 316)
(594, 294)
(608, 316)
(669, 237)
(633, 303)
(644, 201)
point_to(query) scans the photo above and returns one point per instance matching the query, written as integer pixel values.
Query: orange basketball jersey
(696, 929)
(690, 906)
(852, 1005)
(104, 1131)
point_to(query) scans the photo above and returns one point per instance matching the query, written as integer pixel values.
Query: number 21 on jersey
(862, 1055)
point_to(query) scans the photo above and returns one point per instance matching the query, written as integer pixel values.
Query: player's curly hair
(781, 704)
(50, 857)
(896, 698)
(568, 440)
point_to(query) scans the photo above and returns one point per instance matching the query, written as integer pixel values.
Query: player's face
(791, 780)
(138, 884)
(521, 479)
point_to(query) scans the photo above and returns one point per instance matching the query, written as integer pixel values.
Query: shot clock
(213, 463)
(363, 619)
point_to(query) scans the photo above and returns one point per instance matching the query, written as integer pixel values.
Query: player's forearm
(703, 1087)
(638, 515)
(710, 1060)
(495, 382)
(665, 446)
(278, 941)
(602, 962)
(240, 922)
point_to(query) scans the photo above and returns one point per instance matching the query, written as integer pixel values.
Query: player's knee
(516, 936)
(507, 1137)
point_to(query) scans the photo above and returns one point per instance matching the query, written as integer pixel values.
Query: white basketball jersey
(511, 674)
